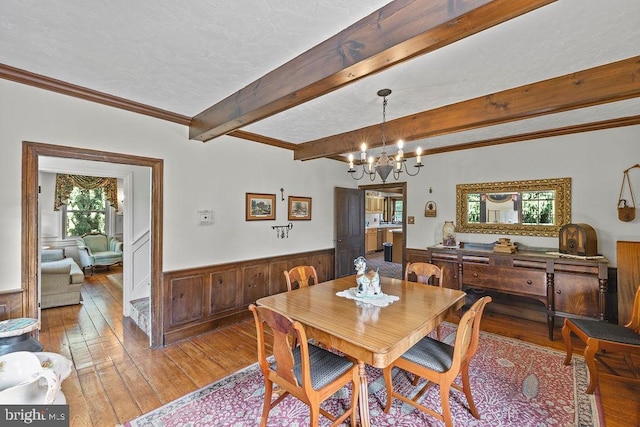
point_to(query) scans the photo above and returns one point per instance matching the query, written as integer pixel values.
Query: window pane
(85, 212)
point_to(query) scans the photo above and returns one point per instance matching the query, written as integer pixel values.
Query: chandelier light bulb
(363, 152)
(400, 146)
(350, 161)
(418, 155)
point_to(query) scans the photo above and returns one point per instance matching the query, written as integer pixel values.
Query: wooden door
(349, 219)
(628, 254)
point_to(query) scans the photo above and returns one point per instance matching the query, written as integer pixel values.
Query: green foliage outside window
(85, 212)
(537, 207)
(474, 208)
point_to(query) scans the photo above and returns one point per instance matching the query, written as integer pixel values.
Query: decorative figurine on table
(367, 279)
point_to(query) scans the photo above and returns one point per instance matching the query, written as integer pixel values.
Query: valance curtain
(65, 184)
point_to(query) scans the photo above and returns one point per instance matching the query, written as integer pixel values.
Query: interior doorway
(399, 189)
(31, 154)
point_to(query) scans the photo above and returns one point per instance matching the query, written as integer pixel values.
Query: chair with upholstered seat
(601, 337)
(423, 272)
(440, 363)
(310, 373)
(301, 276)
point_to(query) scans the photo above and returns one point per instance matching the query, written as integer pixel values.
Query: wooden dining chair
(440, 363)
(310, 373)
(423, 272)
(301, 276)
(600, 337)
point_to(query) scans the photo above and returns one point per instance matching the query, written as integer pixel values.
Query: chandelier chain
(384, 121)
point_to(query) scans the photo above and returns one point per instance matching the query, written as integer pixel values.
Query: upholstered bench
(61, 279)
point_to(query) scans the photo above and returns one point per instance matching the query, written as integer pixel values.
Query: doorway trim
(31, 152)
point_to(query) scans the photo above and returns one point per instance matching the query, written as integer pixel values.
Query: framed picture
(260, 206)
(299, 208)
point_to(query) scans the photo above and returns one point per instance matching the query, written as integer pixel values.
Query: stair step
(140, 314)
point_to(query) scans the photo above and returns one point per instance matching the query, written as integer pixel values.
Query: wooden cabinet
(566, 286)
(388, 235)
(380, 238)
(371, 240)
(396, 250)
(374, 204)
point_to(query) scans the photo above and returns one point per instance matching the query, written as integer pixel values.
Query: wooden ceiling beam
(395, 33)
(599, 85)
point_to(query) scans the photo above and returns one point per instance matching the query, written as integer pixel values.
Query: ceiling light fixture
(385, 164)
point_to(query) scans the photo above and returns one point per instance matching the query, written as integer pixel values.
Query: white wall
(593, 160)
(214, 175)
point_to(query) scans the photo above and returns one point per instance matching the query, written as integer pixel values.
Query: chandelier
(385, 164)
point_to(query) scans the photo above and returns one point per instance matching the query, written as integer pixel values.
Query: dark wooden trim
(599, 85)
(58, 86)
(31, 151)
(399, 31)
(191, 294)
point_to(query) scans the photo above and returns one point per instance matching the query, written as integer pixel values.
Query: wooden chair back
(423, 272)
(300, 277)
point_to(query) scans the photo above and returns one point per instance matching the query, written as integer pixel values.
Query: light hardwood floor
(116, 377)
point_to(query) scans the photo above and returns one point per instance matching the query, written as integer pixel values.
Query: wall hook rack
(282, 231)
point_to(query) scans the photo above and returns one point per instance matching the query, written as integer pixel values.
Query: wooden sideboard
(566, 286)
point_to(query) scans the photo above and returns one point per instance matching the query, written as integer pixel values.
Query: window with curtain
(84, 203)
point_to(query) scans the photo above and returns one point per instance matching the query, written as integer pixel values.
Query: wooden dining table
(370, 334)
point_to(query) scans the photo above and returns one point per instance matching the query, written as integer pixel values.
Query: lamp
(385, 164)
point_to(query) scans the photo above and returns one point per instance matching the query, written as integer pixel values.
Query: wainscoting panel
(223, 295)
(200, 299)
(10, 305)
(187, 295)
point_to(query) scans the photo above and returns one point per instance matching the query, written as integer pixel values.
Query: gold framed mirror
(537, 207)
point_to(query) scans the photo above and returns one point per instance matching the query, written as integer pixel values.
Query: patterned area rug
(513, 384)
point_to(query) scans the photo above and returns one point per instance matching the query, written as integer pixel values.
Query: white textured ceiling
(184, 56)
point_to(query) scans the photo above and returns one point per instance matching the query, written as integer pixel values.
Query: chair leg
(446, 409)
(590, 359)
(439, 333)
(355, 395)
(266, 407)
(566, 336)
(315, 415)
(466, 387)
(386, 373)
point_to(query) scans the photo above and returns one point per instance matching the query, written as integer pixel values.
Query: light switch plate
(205, 217)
